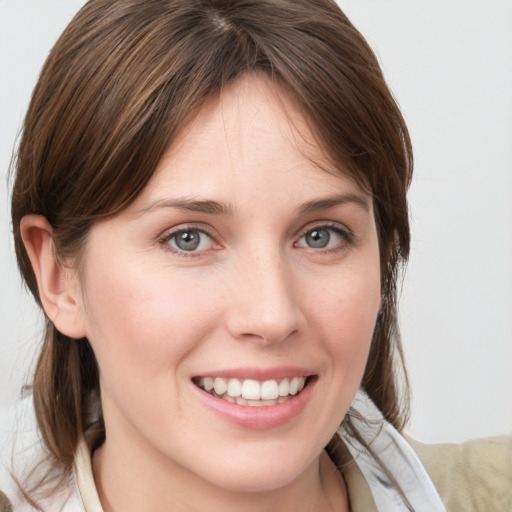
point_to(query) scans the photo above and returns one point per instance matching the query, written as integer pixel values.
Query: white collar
(396, 477)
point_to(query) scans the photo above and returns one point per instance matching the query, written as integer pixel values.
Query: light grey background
(449, 63)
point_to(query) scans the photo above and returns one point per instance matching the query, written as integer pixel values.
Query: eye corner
(188, 241)
(325, 237)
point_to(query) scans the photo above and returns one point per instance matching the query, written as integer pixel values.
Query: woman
(210, 207)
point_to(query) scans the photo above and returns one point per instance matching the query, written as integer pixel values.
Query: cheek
(342, 315)
(346, 315)
(138, 322)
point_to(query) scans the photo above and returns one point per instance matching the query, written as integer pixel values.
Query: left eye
(321, 238)
(190, 240)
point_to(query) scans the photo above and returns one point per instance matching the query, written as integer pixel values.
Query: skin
(254, 295)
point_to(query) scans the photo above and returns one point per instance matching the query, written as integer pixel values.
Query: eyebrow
(331, 202)
(226, 209)
(191, 205)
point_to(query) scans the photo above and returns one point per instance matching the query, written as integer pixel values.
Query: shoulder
(475, 476)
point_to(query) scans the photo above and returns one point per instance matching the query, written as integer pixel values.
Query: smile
(250, 392)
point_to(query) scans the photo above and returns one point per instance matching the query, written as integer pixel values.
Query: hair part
(116, 89)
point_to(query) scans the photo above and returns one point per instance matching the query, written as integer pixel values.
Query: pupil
(318, 238)
(188, 240)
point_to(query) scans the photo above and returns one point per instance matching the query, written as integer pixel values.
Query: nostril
(264, 310)
(267, 339)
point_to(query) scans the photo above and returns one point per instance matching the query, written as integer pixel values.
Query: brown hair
(117, 87)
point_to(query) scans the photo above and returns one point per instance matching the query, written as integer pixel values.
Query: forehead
(250, 141)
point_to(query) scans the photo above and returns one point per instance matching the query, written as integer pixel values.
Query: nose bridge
(265, 305)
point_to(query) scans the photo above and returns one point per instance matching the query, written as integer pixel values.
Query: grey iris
(188, 240)
(318, 238)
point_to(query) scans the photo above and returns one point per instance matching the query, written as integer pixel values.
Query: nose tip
(263, 331)
(265, 307)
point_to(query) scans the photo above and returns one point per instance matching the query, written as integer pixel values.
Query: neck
(162, 487)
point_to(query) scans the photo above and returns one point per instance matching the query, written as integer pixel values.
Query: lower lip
(258, 418)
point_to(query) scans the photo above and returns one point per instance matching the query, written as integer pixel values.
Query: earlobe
(58, 285)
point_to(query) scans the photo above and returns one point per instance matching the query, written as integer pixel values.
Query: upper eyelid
(165, 238)
(323, 224)
(348, 237)
(170, 232)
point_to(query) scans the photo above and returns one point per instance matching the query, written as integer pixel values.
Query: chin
(256, 479)
(261, 469)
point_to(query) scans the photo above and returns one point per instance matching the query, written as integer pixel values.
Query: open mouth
(252, 393)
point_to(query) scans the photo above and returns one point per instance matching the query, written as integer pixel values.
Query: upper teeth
(252, 389)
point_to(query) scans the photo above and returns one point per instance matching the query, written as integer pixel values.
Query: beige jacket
(475, 476)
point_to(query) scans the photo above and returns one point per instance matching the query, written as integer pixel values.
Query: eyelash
(167, 237)
(345, 234)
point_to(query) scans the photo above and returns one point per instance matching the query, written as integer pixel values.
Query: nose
(265, 305)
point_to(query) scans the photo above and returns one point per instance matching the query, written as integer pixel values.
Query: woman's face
(244, 266)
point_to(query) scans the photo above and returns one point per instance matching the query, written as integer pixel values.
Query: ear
(58, 285)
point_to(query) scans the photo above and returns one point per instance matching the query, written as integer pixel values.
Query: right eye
(188, 241)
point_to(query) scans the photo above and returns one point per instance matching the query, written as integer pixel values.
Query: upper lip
(260, 374)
